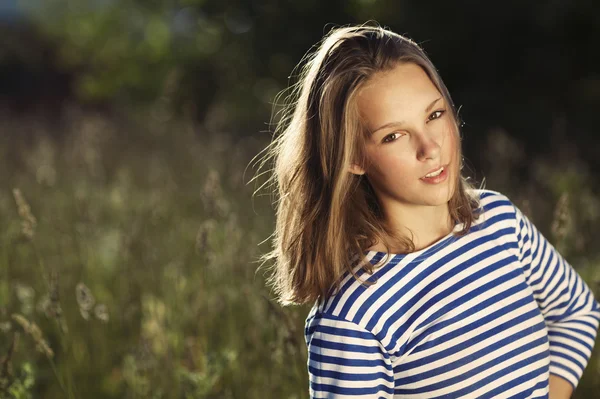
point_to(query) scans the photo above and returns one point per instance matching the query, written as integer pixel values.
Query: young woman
(423, 286)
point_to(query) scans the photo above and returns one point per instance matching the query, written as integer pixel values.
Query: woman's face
(410, 132)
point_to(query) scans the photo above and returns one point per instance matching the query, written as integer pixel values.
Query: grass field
(128, 262)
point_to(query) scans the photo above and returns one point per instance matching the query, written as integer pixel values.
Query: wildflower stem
(54, 369)
(65, 348)
(46, 276)
(60, 382)
(44, 270)
(4, 368)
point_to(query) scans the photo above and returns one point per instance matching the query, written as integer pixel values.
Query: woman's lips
(436, 179)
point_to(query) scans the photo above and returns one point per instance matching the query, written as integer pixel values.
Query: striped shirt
(487, 315)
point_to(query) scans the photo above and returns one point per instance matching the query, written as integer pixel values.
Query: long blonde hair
(325, 215)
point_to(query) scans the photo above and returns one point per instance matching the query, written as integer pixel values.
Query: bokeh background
(129, 230)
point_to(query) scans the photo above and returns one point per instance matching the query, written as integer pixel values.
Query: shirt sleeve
(347, 361)
(571, 312)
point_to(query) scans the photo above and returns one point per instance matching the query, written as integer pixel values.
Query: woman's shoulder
(487, 197)
(495, 204)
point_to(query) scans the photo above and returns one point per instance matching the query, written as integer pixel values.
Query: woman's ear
(357, 170)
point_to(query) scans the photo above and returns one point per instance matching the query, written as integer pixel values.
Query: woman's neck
(427, 224)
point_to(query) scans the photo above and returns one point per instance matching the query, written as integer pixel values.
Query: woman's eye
(439, 111)
(385, 140)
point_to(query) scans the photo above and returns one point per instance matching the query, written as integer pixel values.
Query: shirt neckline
(434, 246)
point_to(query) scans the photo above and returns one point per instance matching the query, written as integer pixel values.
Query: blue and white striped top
(486, 315)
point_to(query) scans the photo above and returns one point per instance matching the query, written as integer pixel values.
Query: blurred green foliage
(525, 67)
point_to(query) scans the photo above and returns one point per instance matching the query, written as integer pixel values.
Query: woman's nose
(429, 147)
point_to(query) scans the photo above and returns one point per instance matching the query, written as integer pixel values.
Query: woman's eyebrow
(429, 107)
